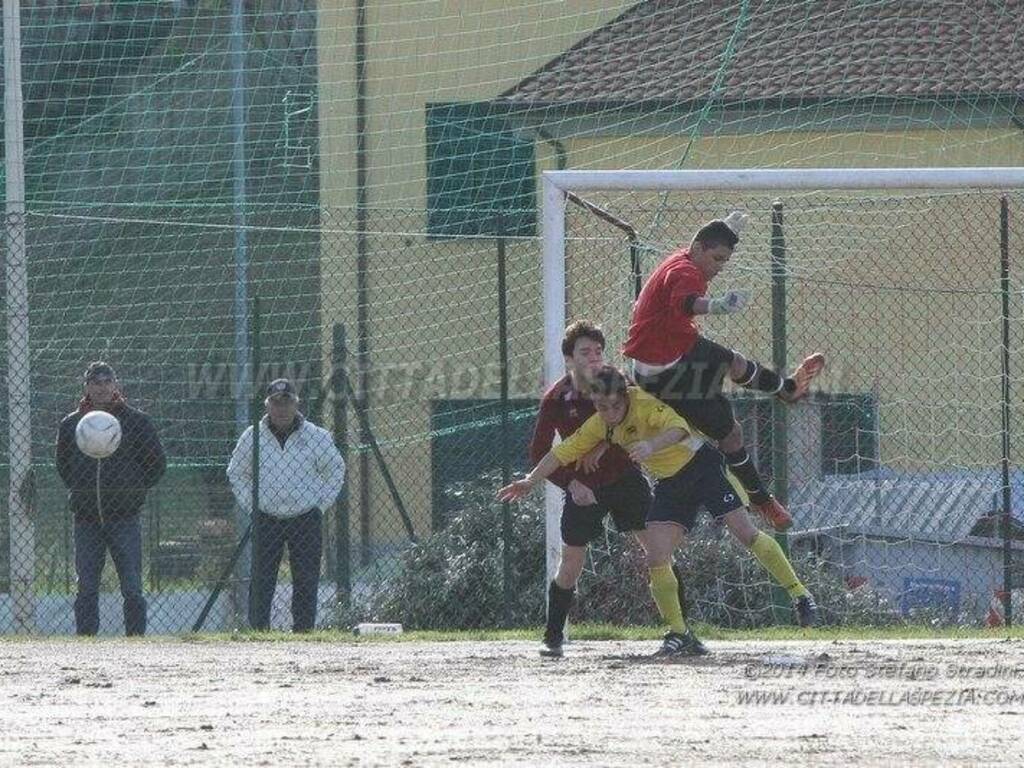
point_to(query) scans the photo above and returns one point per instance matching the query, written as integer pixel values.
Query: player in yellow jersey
(689, 473)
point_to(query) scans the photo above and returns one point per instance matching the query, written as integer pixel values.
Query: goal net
(893, 467)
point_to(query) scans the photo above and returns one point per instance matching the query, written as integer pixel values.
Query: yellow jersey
(646, 417)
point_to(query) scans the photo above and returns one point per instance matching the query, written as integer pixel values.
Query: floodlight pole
(244, 370)
(1007, 497)
(243, 395)
(21, 483)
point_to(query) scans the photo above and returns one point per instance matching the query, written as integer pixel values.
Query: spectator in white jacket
(300, 474)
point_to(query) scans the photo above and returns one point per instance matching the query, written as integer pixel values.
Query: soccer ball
(98, 434)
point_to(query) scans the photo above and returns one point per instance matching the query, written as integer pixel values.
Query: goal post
(927, 209)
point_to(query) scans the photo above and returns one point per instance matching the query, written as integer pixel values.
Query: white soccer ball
(98, 434)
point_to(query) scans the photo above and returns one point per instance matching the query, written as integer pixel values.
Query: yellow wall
(424, 52)
(902, 295)
(419, 53)
(433, 302)
(804, 149)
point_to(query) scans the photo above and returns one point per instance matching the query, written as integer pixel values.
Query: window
(480, 173)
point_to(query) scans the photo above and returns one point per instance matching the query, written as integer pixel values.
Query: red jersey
(563, 409)
(661, 330)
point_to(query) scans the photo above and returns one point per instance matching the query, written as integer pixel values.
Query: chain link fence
(404, 379)
(420, 359)
(183, 225)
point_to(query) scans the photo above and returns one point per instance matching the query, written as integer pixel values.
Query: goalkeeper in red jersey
(679, 366)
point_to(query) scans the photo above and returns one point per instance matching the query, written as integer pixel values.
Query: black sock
(764, 380)
(559, 603)
(742, 466)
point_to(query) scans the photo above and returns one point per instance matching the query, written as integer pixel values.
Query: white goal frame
(557, 185)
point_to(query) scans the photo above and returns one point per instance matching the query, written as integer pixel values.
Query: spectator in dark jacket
(106, 497)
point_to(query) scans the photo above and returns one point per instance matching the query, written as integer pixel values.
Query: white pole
(554, 327)
(791, 178)
(243, 390)
(243, 368)
(22, 539)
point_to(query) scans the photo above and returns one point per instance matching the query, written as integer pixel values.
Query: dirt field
(846, 703)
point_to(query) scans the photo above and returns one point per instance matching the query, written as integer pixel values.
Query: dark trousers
(304, 537)
(123, 537)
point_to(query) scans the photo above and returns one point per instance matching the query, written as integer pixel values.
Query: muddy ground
(179, 702)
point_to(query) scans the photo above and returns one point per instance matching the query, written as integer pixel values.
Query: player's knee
(571, 566)
(738, 366)
(659, 552)
(739, 525)
(642, 537)
(662, 540)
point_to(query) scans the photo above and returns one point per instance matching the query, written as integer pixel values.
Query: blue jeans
(123, 537)
(304, 537)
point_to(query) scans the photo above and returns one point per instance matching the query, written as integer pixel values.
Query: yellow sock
(665, 590)
(770, 555)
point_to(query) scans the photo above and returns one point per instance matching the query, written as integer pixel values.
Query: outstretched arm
(574, 448)
(520, 488)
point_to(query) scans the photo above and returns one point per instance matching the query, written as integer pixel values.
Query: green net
(369, 171)
(891, 468)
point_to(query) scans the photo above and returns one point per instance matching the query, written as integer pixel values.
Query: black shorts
(693, 388)
(626, 500)
(701, 483)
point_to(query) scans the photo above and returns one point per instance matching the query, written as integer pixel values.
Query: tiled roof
(683, 50)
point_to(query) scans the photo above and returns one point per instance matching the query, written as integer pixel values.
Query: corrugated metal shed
(940, 507)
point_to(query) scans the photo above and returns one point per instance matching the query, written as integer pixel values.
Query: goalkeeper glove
(736, 221)
(730, 303)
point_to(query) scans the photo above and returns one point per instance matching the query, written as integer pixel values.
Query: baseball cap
(99, 371)
(281, 387)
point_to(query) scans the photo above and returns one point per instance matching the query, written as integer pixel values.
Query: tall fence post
(21, 479)
(780, 425)
(362, 386)
(339, 402)
(243, 563)
(257, 408)
(1007, 520)
(506, 466)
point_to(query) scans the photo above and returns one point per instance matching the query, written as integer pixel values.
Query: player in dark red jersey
(614, 486)
(676, 364)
